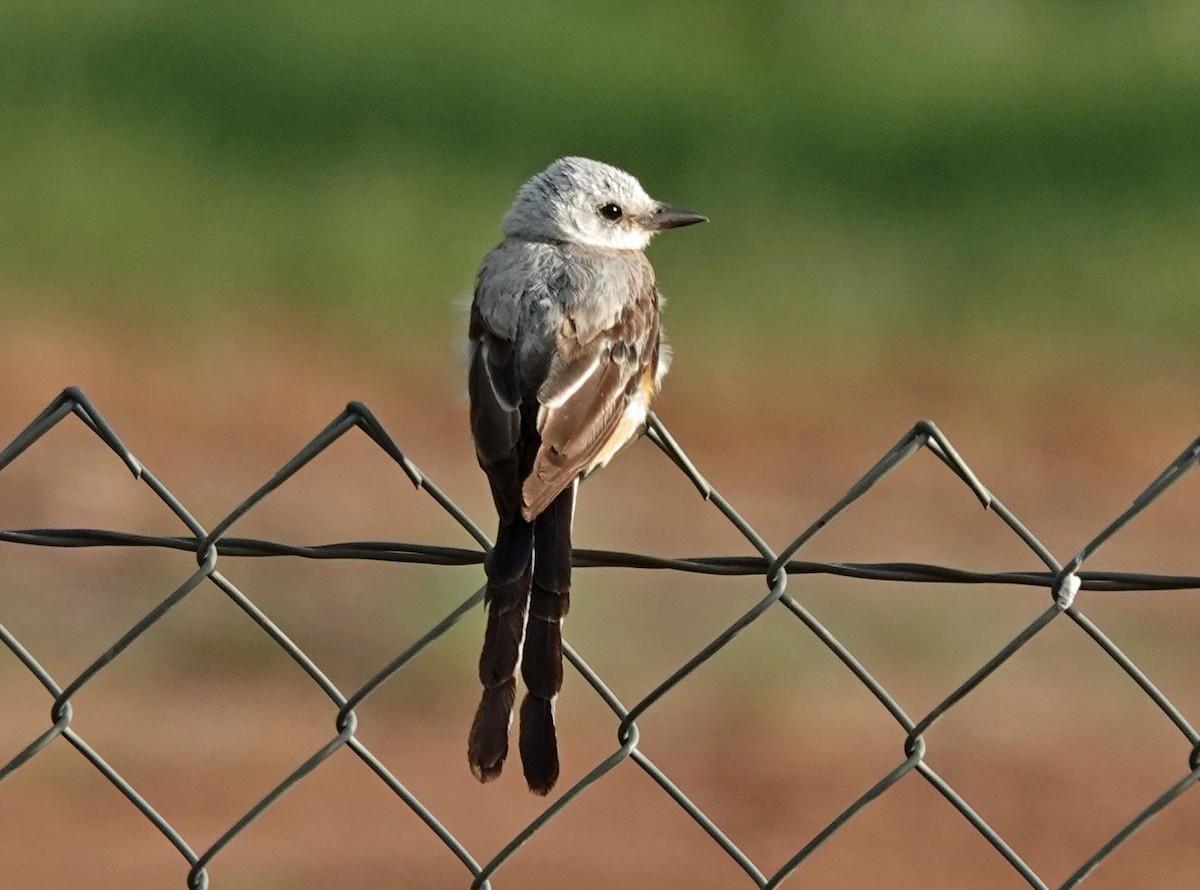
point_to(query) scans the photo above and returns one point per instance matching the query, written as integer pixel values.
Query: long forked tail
(509, 571)
(541, 663)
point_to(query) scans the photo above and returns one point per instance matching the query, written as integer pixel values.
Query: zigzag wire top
(1063, 581)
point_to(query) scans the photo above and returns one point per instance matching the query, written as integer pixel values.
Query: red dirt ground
(1057, 751)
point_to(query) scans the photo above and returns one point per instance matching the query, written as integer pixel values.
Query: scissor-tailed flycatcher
(566, 355)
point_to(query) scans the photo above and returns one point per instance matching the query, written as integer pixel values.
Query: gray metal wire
(1062, 581)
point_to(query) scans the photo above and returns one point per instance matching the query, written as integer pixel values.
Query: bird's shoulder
(553, 280)
(613, 289)
(518, 266)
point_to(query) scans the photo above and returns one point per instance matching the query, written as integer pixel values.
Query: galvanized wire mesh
(1063, 581)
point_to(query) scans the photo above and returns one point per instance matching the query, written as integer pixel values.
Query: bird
(566, 354)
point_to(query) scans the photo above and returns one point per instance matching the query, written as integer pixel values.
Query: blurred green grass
(868, 169)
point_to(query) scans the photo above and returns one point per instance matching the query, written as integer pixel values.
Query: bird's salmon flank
(566, 358)
(637, 409)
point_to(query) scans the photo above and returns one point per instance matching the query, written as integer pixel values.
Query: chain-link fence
(1062, 581)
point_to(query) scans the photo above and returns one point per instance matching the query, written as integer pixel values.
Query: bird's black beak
(668, 217)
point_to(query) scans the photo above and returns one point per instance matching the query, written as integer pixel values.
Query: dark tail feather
(509, 577)
(539, 744)
(488, 744)
(541, 663)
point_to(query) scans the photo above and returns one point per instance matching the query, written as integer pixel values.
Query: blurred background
(225, 220)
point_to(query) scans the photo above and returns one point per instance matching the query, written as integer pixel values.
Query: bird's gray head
(586, 202)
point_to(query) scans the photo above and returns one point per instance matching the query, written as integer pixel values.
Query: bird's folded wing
(496, 418)
(583, 398)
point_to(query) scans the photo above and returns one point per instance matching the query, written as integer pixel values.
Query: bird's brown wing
(585, 394)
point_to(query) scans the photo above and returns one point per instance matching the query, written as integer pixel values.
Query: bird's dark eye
(611, 212)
